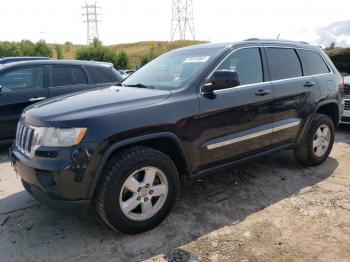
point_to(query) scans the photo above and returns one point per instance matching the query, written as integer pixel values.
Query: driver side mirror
(221, 79)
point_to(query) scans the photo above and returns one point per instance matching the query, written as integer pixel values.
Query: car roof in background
(57, 62)
(23, 57)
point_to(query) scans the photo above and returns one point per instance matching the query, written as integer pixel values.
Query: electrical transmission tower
(91, 16)
(182, 23)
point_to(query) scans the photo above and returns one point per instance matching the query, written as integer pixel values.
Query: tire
(306, 153)
(117, 186)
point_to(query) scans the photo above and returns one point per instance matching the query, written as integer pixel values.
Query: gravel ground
(271, 209)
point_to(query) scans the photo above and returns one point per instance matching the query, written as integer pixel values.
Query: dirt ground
(270, 209)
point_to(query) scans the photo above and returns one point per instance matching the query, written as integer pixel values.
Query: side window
(68, 75)
(22, 79)
(283, 63)
(313, 64)
(247, 62)
(99, 75)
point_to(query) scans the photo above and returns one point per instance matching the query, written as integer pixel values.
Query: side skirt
(211, 170)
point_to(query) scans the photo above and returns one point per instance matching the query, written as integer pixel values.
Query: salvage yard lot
(271, 209)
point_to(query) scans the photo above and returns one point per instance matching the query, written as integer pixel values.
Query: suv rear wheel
(318, 142)
(138, 189)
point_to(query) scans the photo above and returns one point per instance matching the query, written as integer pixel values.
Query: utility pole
(91, 15)
(182, 23)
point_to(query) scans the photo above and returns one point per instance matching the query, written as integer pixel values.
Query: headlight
(59, 137)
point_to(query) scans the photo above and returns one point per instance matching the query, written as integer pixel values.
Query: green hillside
(135, 51)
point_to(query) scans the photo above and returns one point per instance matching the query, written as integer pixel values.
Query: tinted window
(283, 63)
(68, 75)
(313, 63)
(22, 79)
(101, 75)
(247, 62)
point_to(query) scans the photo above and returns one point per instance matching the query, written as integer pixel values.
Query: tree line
(25, 48)
(94, 52)
(97, 52)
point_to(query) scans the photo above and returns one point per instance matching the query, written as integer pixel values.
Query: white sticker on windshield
(198, 59)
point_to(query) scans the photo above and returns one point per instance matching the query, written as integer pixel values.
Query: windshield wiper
(139, 86)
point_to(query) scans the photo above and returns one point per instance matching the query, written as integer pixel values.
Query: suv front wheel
(318, 142)
(138, 189)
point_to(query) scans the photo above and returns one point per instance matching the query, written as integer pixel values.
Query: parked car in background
(190, 112)
(6, 60)
(346, 116)
(24, 83)
(126, 73)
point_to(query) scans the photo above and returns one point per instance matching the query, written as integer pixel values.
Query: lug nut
(139, 189)
(147, 186)
(138, 198)
(151, 192)
(146, 199)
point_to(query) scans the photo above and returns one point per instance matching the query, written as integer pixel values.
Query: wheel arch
(179, 156)
(330, 108)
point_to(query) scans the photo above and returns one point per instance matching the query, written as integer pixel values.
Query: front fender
(113, 148)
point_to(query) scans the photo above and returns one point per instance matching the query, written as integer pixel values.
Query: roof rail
(257, 39)
(251, 39)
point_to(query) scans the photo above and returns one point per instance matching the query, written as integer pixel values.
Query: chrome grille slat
(24, 139)
(347, 104)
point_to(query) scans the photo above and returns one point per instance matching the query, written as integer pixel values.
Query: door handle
(263, 92)
(309, 84)
(36, 99)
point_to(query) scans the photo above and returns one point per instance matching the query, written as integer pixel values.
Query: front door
(18, 89)
(237, 121)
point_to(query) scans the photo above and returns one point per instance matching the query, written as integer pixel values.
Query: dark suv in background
(24, 83)
(186, 114)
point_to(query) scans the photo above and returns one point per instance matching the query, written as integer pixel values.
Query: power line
(182, 23)
(91, 19)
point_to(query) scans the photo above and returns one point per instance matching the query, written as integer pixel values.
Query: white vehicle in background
(126, 73)
(346, 115)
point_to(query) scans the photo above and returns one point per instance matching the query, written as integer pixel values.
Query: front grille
(347, 104)
(24, 138)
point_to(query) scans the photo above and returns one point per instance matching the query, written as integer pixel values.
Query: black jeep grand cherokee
(187, 113)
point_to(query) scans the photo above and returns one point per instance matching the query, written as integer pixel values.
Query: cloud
(338, 32)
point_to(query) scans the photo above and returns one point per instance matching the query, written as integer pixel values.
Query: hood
(90, 105)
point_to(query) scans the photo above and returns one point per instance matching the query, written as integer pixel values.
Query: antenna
(182, 22)
(91, 19)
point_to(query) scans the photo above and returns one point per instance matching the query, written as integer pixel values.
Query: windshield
(171, 70)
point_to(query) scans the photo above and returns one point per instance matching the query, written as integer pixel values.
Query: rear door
(237, 121)
(67, 79)
(19, 88)
(293, 92)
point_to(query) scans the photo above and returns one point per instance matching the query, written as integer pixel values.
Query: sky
(316, 21)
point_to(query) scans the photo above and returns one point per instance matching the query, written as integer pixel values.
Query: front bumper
(78, 208)
(56, 177)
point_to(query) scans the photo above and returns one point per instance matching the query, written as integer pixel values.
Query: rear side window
(68, 75)
(313, 64)
(247, 62)
(102, 75)
(22, 79)
(283, 63)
